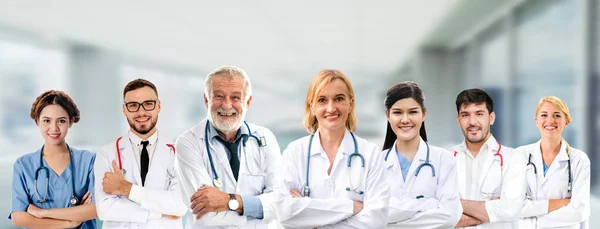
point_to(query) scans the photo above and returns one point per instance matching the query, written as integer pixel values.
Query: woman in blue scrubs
(53, 187)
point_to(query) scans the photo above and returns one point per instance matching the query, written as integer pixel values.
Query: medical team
(226, 172)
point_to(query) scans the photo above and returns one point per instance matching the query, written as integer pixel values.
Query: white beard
(226, 126)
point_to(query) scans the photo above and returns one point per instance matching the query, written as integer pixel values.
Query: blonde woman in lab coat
(422, 177)
(332, 178)
(558, 175)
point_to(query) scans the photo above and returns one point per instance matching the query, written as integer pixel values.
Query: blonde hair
(230, 72)
(556, 102)
(316, 86)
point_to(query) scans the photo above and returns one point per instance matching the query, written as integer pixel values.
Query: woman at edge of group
(331, 197)
(419, 198)
(44, 181)
(558, 175)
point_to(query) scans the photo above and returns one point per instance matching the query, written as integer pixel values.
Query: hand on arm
(210, 199)
(475, 209)
(467, 220)
(84, 212)
(555, 204)
(114, 183)
(357, 207)
(26, 220)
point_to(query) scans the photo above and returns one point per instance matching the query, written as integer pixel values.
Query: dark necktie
(145, 160)
(234, 160)
(235, 163)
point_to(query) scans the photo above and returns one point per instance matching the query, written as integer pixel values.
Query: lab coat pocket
(492, 184)
(424, 186)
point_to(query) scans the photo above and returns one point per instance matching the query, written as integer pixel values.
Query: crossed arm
(141, 203)
(505, 208)
(35, 217)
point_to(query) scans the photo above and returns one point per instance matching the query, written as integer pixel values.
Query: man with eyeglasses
(138, 186)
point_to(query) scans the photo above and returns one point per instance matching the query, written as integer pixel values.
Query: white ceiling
(260, 36)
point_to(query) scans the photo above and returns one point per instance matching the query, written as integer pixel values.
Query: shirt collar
(137, 140)
(213, 133)
(491, 145)
(346, 147)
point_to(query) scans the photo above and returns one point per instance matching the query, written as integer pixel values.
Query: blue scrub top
(404, 165)
(59, 187)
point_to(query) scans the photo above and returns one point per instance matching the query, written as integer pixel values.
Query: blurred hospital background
(517, 50)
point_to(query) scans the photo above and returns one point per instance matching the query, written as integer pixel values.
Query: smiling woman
(325, 184)
(433, 198)
(563, 198)
(38, 197)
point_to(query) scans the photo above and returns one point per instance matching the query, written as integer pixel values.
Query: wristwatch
(233, 203)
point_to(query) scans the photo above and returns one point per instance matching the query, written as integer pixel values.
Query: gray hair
(230, 72)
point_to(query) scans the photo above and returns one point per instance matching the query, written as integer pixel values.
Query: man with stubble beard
(491, 179)
(136, 182)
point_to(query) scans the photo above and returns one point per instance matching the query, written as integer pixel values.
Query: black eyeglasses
(148, 105)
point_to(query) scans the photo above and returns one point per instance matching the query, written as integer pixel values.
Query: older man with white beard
(227, 166)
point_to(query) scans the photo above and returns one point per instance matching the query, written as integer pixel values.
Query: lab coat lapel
(419, 159)
(128, 159)
(341, 158)
(487, 166)
(536, 159)
(217, 149)
(556, 164)
(460, 169)
(393, 167)
(218, 152)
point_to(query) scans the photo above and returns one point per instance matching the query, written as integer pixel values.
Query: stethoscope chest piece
(218, 183)
(74, 201)
(123, 171)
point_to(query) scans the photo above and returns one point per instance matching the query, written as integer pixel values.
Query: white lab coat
(439, 206)
(329, 204)
(554, 186)
(506, 182)
(258, 167)
(160, 192)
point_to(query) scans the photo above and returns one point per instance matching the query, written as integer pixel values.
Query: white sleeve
(447, 209)
(301, 212)
(112, 207)
(532, 208)
(578, 210)
(193, 174)
(167, 202)
(273, 168)
(514, 185)
(376, 200)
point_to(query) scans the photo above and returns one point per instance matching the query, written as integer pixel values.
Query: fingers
(89, 199)
(197, 207)
(86, 196)
(195, 195)
(115, 167)
(172, 217)
(201, 213)
(295, 193)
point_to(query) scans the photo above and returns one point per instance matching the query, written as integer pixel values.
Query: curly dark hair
(54, 97)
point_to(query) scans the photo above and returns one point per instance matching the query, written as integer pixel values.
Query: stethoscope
(351, 185)
(425, 163)
(497, 154)
(570, 181)
(123, 171)
(74, 201)
(262, 142)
